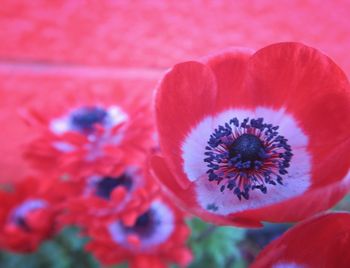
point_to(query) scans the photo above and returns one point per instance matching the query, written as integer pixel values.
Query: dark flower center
(105, 186)
(22, 223)
(246, 156)
(85, 118)
(144, 225)
(248, 146)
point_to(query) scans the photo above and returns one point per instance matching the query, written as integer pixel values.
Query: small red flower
(86, 134)
(156, 238)
(322, 241)
(28, 214)
(99, 197)
(249, 137)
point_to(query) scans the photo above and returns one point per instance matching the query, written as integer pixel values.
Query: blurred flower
(87, 134)
(99, 197)
(28, 213)
(250, 137)
(156, 238)
(322, 241)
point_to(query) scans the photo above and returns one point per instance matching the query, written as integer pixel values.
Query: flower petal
(184, 197)
(185, 95)
(230, 71)
(324, 239)
(289, 85)
(311, 87)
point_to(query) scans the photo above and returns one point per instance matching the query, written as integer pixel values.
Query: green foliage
(215, 246)
(212, 246)
(64, 251)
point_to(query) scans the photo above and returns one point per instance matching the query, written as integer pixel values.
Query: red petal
(312, 88)
(333, 166)
(323, 241)
(160, 171)
(230, 71)
(183, 256)
(185, 96)
(133, 240)
(118, 194)
(146, 261)
(130, 218)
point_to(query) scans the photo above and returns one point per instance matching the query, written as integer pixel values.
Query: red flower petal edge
(322, 241)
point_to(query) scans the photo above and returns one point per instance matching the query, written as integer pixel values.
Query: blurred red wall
(74, 44)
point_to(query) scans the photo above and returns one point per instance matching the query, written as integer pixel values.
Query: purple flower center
(246, 156)
(248, 147)
(153, 227)
(105, 186)
(84, 119)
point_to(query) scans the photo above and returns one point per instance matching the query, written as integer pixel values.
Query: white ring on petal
(288, 126)
(346, 179)
(64, 147)
(193, 149)
(115, 116)
(60, 125)
(63, 124)
(296, 182)
(162, 232)
(26, 207)
(288, 265)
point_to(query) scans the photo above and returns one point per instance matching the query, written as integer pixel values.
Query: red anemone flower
(249, 137)
(156, 238)
(28, 214)
(83, 134)
(322, 241)
(99, 197)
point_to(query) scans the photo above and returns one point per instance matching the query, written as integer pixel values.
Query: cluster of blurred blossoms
(242, 138)
(89, 163)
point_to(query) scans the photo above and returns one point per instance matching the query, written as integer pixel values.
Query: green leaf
(66, 250)
(214, 246)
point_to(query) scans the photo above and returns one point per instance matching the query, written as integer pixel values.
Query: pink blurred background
(59, 46)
